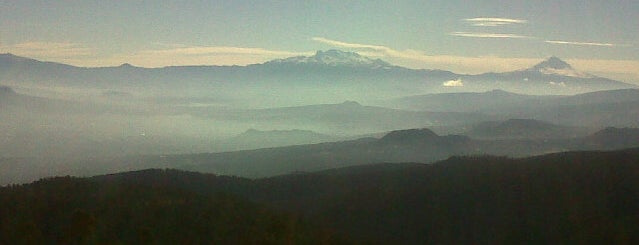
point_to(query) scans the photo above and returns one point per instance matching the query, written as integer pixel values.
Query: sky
(599, 37)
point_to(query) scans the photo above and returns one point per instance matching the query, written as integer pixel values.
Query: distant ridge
(614, 138)
(409, 135)
(523, 129)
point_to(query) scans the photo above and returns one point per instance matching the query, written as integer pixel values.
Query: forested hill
(68, 210)
(574, 197)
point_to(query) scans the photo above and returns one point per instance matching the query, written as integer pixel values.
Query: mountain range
(345, 75)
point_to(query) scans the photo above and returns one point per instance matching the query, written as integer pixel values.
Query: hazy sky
(600, 37)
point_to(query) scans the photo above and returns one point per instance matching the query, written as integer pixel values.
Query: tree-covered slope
(67, 210)
(587, 197)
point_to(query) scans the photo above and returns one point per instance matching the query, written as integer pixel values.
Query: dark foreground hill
(67, 210)
(563, 198)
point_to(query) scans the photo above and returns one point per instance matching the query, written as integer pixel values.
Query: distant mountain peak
(126, 65)
(556, 66)
(554, 63)
(335, 58)
(409, 135)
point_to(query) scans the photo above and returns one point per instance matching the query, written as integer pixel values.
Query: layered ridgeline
(36, 126)
(507, 138)
(566, 198)
(327, 76)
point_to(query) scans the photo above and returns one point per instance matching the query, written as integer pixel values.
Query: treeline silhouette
(67, 210)
(574, 197)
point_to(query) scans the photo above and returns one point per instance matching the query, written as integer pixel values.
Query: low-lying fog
(41, 122)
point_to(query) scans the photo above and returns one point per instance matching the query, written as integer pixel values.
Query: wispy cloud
(581, 43)
(351, 45)
(492, 21)
(175, 55)
(419, 59)
(372, 50)
(487, 35)
(48, 49)
(215, 50)
(157, 56)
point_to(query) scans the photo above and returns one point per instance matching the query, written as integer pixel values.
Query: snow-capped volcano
(556, 66)
(335, 58)
(551, 76)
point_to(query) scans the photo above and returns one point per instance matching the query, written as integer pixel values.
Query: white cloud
(159, 56)
(374, 50)
(560, 84)
(179, 55)
(218, 50)
(486, 35)
(453, 83)
(581, 43)
(350, 45)
(47, 50)
(491, 21)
